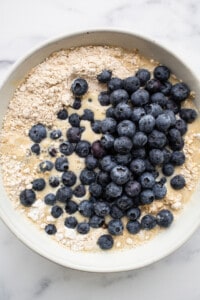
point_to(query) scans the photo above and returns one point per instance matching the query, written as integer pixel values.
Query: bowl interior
(162, 244)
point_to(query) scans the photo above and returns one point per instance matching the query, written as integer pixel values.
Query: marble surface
(24, 275)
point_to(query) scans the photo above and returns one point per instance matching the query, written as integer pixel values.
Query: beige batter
(38, 99)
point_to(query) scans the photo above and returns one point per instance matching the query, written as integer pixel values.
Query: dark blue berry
(79, 191)
(74, 120)
(62, 114)
(87, 176)
(71, 222)
(159, 98)
(132, 188)
(38, 184)
(123, 159)
(188, 114)
(115, 84)
(91, 162)
(104, 76)
(137, 166)
(64, 194)
(76, 104)
(148, 166)
(177, 158)
(133, 213)
(156, 156)
(162, 73)
(103, 178)
(148, 222)
(35, 148)
(83, 228)
(108, 125)
(133, 227)
(115, 227)
(164, 218)
(122, 112)
(46, 165)
(147, 123)
(163, 122)
(50, 199)
(107, 141)
(95, 189)
(153, 86)
(167, 155)
(96, 221)
(131, 84)
(56, 211)
(50, 229)
(83, 148)
(79, 87)
(168, 169)
(159, 190)
(147, 180)
(120, 175)
(69, 178)
(88, 115)
(180, 92)
(137, 114)
(172, 116)
(176, 141)
(123, 145)
(101, 209)
(126, 128)
(37, 133)
(147, 196)
(181, 125)
(140, 139)
(66, 148)
(105, 241)
(124, 202)
(54, 181)
(71, 207)
(104, 98)
(173, 106)
(178, 182)
(157, 139)
(74, 134)
(119, 96)
(113, 190)
(140, 97)
(153, 109)
(138, 153)
(55, 134)
(61, 164)
(143, 75)
(110, 112)
(107, 163)
(27, 197)
(116, 212)
(96, 126)
(165, 88)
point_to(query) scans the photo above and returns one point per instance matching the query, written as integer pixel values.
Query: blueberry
(37, 133)
(35, 148)
(137, 166)
(126, 128)
(52, 151)
(50, 199)
(153, 109)
(119, 96)
(137, 114)
(133, 213)
(96, 126)
(62, 114)
(104, 76)
(110, 112)
(132, 188)
(188, 114)
(46, 165)
(140, 139)
(115, 227)
(27, 197)
(147, 196)
(177, 158)
(54, 181)
(97, 149)
(74, 134)
(55, 134)
(167, 155)
(123, 159)
(66, 148)
(105, 242)
(79, 191)
(83, 148)
(108, 125)
(143, 75)
(140, 97)
(176, 141)
(157, 139)
(165, 88)
(181, 125)
(159, 98)
(83, 228)
(178, 182)
(69, 178)
(107, 141)
(91, 162)
(101, 209)
(172, 116)
(50, 229)
(131, 84)
(71, 207)
(76, 104)
(88, 115)
(61, 164)
(74, 120)
(71, 222)
(104, 98)
(148, 166)
(56, 211)
(162, 73)
(123, 145)
(113, 190)
(180, 92)
(122, 112)
(138, 153)
(38, 184)
(168, 169)
(147, 123)
(87, 176)
(133, 227)
(163, 122)
(159, 190)
(96, 221)
(103, 178)
(124, 202)
(156, 156)
(115, 84)
(148, 222)
(116, 212)
(153, 86)
(64, 194)
(173, 106)
(79, 87)
(164, 218)
(95, 189)
(120, 175)
(107, 163)
(147, 180)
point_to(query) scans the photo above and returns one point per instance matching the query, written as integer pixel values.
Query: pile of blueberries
(140, 144)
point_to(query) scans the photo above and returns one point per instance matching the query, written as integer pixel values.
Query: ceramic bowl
(103, 261)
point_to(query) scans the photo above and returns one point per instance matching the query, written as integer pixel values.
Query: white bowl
(103, 261)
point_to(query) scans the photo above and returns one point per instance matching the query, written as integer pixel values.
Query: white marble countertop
(25, 275)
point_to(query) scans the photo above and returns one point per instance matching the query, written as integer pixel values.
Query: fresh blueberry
(69, 178)
(96, 126)
(140, 97)
(140, 139)
(133, 213)
(74, 120)
(147, 196)
(178, 182)
(71, 222)
(50, 199)
(83, 228)
(96, 221)
(148, 222)
(55, 134)
(126, 128)
(153, 109)
(95, 189)
(133, 227)
(74, 134)
(107, 163)
(173, 106)
(137, 114)
(79, 87)
(153, 86)
(52, 151)
(64, 194)
(91, 162)
(50, 229)
(168, 169)
(124, 202)
(165, 88)
(101, 209)
(66, 148)
(188, 114)
(46, 165)
(159, 190)
(38, 184)
(181, 125)
(27, 197)
(176, 141)
(120, 175)
(79, 191)
(82, 148)
(163, 122)
(171, 115)
(54, 181)
(162, 73)
(105, 241)
(148, 166)
(159, 98)
(61, 164)
(143, 75)
(123, 145)
(104, 76)
(147, 123)
(113, 190)
(131, 84)
(137, 166)
(123, 159)
(115, 227)
(122, 112)
(167, 155)
(76, 104)
(88, 115)
(104, 98)
(107, 141)
(157, 139)
(177, 158)
(37, 133)
(156, 156)
(56, 211)
(115, 84)
(103, 178)
(110, 112)
(180, 92)
(119, 96)
(62, 114)
(132, 188)
(164, 218)
(87, 176)
(35, 148)
(116, 212)
(138, 153)
(108, 125)
(71, 207)
(147, 180)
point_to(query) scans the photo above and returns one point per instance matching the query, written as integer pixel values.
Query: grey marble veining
(24, 275)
